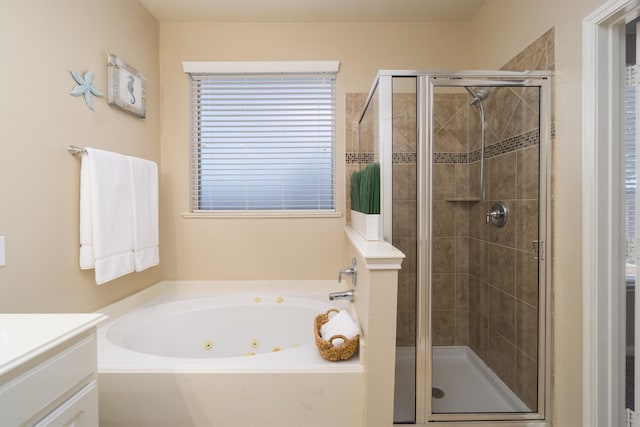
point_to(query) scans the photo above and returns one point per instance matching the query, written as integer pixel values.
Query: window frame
(261, 68)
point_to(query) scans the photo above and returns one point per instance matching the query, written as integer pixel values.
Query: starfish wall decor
(85, 87)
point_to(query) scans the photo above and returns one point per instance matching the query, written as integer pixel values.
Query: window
(262, 141)
(630, 172)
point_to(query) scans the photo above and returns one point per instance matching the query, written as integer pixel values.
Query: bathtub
(224, 354)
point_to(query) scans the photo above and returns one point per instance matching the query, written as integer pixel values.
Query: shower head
(479, 95)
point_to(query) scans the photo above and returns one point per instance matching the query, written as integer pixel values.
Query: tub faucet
(342, 295)
(349, 271)
(346, 295)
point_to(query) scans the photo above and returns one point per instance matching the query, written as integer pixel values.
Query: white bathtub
(224, 354)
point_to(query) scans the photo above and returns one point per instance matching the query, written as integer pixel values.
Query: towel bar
(73, 150)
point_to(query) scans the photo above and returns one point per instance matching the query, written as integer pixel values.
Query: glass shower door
(486, 253)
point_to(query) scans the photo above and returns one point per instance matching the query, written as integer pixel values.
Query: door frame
(603, 236)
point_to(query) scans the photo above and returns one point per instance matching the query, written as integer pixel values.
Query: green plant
(365, 189)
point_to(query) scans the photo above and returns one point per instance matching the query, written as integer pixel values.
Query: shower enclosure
(463, 167)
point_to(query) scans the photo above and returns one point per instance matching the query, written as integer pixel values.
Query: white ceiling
(313, 10)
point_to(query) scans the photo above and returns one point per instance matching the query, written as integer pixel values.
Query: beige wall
(276, 248)
(500, 30)
(39, 181)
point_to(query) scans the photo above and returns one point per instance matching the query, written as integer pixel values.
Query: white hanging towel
(106, 215)
(144, 176)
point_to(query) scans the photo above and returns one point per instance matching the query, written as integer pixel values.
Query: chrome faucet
(349, 294)
(342, 295)
(349, 271)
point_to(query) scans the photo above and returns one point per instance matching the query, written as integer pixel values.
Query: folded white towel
(144, 177)
(339, 324)
(106, 224)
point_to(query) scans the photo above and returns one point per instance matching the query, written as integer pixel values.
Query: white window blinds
(630, 171)
(263, 141)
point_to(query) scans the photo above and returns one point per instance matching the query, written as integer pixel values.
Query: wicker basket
(326, 348)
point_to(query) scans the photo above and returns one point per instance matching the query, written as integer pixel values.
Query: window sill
(263, 214)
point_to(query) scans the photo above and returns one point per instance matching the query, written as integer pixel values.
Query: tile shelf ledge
(378, 254)
(462, 199)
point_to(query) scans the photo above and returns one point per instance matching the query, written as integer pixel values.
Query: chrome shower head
(479, 95)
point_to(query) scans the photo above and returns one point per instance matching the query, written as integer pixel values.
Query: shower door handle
(537, 248)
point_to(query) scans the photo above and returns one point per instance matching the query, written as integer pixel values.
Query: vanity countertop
(26, 336)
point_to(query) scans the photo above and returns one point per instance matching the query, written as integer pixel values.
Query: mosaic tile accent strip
(398, 158)
(450, 157)
(352, 158)
(404, 158)
(518, 142)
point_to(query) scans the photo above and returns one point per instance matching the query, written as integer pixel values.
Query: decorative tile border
(515, 143)
(451, 158)
(518, 142)
(404, 158)
(352, 158)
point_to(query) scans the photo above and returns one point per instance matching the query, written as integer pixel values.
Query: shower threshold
(467, 383)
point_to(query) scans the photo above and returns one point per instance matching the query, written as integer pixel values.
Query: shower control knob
(498, 214)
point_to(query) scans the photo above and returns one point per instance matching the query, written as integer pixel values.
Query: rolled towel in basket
(339, 324)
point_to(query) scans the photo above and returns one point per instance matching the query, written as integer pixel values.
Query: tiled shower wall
(502, 273)
(354, 106)
(404, 212)
(451, 194)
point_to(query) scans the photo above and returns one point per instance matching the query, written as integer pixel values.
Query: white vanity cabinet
(48, 370)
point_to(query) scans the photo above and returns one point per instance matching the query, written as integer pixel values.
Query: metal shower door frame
(427, 82)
